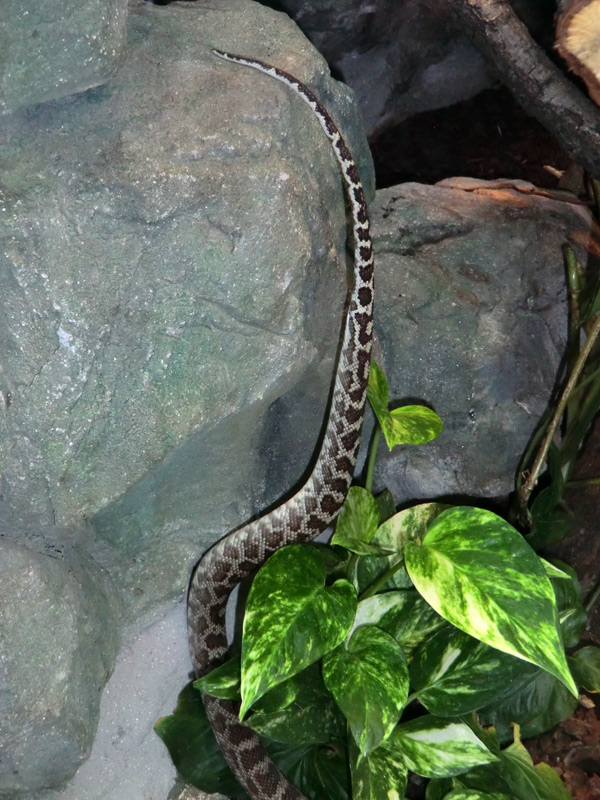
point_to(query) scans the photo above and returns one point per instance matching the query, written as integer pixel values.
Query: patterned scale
(311, 509)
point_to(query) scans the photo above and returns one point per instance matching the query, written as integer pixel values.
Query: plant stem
(584, 483)
(381, 580)
(541, 457)
(410, 698)
(372, 457)
(593, 599)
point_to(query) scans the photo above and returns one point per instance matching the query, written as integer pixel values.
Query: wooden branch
(578, 42)
(538, 85)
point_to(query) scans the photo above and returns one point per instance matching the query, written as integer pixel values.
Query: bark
(538, 85)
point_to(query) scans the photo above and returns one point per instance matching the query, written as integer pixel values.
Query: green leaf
(408, 525)
(193, 748)
(377, 392)
(357, 521)
(585, 664)
(538, 702)
(529, 779)
(385, 505)
(405, 425)
(319, 772)
(310, 717)
(515, 775)
(369, 682)
(454, 674)
(478, 572)
(292, 619)
(223, 681)
(280, 696)
(549, 522)
(438, 788)
(474, 794)
(381, 775)
(438, 748)
(452, 789)
(404, 614)
(412, 425)
(552, 571)
(569, 601)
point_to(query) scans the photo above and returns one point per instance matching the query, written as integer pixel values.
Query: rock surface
(52, 50)
(472, 319)
(58, 641)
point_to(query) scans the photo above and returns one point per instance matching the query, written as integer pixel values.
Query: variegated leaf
(408, 525)
(412, 425)
(454, 674)
(307, 724)
(378, 392)
(223, 681)
(299, 711)
(369, 681)
(403, 614)
(406, 425)
(380, 776)
(439, 748)
(474, 794)
(357, 520)
(445, 788)
(478, 572)
(291, 620)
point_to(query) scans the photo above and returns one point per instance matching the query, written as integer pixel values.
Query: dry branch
(538, 85)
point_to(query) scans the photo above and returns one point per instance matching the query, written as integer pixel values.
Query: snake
(309, 511)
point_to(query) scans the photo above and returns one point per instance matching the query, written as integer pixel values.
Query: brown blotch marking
(330, 127)
(345, 153)
(365, 252)
(366, 272)
(349, 440)
(339, 485)
(358, 193)
(363, 357)
(364, 234)
(213, 641)
(314, 522)
(247, 566)
(329, 503)
(352, 172)
(356, 395)
(361, 214)
(345, 464)
(365, 295)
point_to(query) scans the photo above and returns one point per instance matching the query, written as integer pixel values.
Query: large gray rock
(157, 265)
(58, 641)
(171, 262)
(52, 49)
(472, 319)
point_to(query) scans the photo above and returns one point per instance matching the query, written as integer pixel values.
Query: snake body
(308, 512)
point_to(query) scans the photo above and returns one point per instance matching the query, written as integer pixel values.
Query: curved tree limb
(538, 85)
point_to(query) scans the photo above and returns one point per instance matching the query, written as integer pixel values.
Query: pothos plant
(426, 641)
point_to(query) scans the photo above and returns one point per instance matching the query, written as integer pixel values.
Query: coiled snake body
(311, 509)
